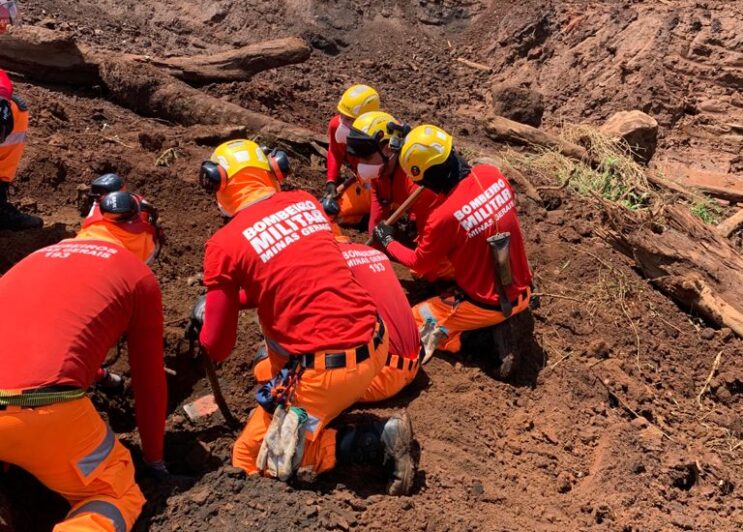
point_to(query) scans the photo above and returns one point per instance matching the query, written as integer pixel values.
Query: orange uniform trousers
(11, 150)
(324, 394)
(71, 450)
(355, 203)
(396, 374)
(451, 316)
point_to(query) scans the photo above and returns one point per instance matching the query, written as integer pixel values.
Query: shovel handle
(402, 209)
(211, 375)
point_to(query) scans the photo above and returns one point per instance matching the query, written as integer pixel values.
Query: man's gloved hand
(330, 206)
(331, 190)
(197, 319)
(384, 234)
(157, 470)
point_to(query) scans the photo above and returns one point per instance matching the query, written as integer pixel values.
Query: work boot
(382, 443)
(13, 219)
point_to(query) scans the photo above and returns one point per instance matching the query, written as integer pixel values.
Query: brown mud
(610, 421)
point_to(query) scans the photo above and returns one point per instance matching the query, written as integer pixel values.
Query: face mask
(367, 172)
(341, 134)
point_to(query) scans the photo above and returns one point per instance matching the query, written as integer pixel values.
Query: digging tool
(343, 186)
(402, 209)
(204, 405)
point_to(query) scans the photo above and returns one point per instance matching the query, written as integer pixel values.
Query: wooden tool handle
(402, 209)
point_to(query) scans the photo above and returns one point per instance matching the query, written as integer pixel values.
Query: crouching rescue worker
(13, 126)
(323, 333)
(71, 303)
(373, 271)
(376, 139)
(477, 215)
(353, 203)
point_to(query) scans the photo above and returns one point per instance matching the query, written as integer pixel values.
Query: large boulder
(518, 103)
(640, 130)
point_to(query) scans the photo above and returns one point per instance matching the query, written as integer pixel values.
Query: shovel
(210, 403)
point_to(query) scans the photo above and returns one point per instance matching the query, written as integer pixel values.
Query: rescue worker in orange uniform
(479, 203)
(13, 127)
(322, 329)
(71, 302)
(376, 139)
(353, 204)
(373, 271)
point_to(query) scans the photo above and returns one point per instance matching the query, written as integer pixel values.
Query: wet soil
(607, 422)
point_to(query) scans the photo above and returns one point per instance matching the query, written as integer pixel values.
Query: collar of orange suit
(141, 244)
(245, 188)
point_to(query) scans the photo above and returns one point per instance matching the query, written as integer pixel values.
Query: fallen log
(502, 129)
(150, 92)
(686, 259)
(727, 227)
(48, 55)
(234, 65)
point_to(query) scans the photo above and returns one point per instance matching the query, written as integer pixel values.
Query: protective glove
(157, 470)
(331, 190)
(384, 234)
(197, 319)
(330, 206)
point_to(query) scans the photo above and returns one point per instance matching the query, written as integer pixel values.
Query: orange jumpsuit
(281, 252)
(355, 201)
(11, 150)
(70, 303)
(479, 206)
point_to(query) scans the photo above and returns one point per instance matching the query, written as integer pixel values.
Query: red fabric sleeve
(433, 247)
(145, 341)
(336, 152)
(219, 333)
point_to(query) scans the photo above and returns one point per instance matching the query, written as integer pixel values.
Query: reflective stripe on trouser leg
(88, 463)
(106, 509)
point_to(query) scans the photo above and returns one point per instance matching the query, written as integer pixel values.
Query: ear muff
(278, 160)
(212, 177)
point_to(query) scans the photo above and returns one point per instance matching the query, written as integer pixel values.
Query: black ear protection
(105, 184)
(397, 141)
(278, 160)
(212, 177)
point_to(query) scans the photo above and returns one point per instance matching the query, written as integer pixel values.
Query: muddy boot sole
(399, 448)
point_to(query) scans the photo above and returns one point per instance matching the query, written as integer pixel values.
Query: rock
(200, 495)
(564, 482)
(707, 333)
(518, 103)
(640, 130)
(651, 439)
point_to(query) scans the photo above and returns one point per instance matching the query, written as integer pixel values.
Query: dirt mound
(615, 418)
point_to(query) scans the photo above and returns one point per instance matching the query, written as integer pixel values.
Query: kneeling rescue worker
(477, 214)
(71, 303)
(13, 126)
(353, 203)
(323, 333)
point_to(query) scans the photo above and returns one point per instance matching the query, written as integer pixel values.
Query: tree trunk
(687, 260)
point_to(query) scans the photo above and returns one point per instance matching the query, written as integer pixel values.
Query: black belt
(497, 307)
(338, 360)
(407, 364)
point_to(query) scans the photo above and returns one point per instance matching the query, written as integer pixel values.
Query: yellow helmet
(370, 130)
(425, 146)
(240, 172)
(357, 100)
